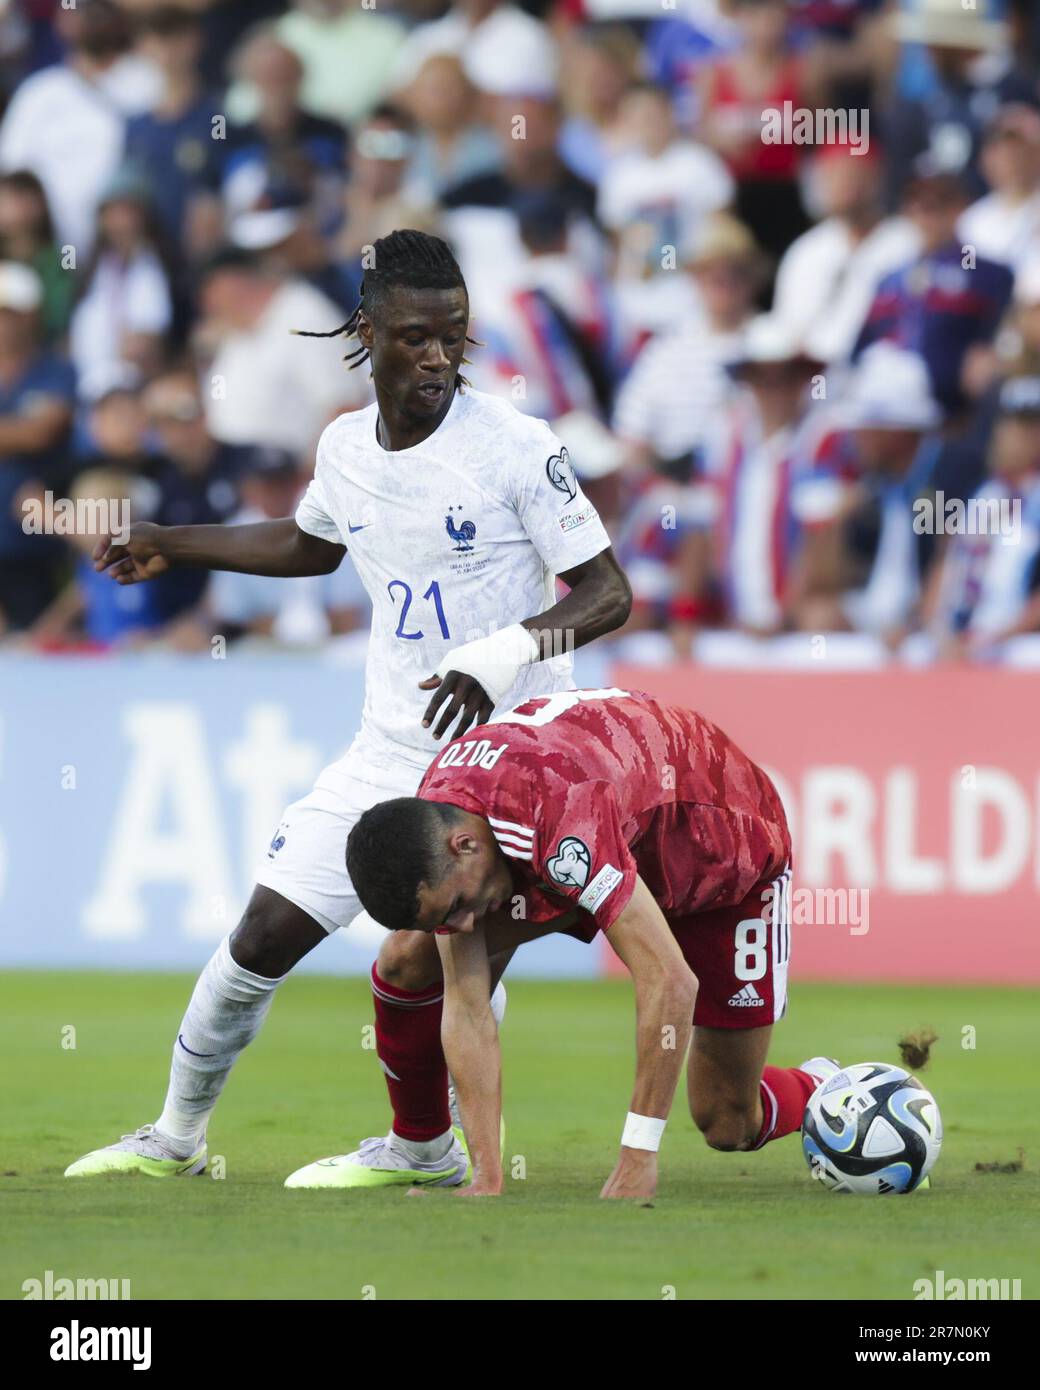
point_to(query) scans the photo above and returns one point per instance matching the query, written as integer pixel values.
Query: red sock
(408, 1043)
(785, 1092)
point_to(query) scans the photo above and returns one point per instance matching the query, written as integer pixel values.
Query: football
(871, 1128)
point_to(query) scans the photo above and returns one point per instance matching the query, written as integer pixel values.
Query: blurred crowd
(799, 376)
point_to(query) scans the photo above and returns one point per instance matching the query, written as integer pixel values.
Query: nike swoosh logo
(187, 1049)
(352, 529)
(436, 1177)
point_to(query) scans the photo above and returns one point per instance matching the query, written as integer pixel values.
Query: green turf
(723, 1225)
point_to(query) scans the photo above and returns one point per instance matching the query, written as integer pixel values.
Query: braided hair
(405, 259)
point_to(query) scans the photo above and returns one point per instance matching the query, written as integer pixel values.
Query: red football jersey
(585, 789)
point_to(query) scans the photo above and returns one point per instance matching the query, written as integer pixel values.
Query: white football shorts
(305, 861)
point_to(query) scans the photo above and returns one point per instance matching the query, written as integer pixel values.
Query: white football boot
(144, 1151)
(380, 1162)
(821, 1069)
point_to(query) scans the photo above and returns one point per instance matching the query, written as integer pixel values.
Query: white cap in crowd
(769, 340)
(20, 287)
(890, 389)
(511, 54)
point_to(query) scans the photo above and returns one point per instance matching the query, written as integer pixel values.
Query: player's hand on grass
(134, 556)
(478, 1188)
(466, 697)
(634, 1175)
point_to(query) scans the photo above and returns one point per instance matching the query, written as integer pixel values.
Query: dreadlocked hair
(405, 259)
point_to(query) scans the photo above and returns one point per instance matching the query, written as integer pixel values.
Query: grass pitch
(732, 1226)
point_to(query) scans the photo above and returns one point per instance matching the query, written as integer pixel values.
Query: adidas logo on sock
(746, 998)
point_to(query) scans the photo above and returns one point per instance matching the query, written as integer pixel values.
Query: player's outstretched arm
(666, 991)
(469, 1036)
(279, 549)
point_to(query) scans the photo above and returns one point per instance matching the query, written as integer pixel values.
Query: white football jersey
(453, 539)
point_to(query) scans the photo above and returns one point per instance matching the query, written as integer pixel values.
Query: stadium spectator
(179, 145)
(736, 89)
(124, 304)
(865, 565)
(87, 98)
(653, 196)
(37, 390)
(480, 213)
(989, 588)
(828, 277)
(666, 404)
(548, 343)
(946, 300)
(114, 432)
(282, 230)
(268, 387)
(282, 144)
(600, 62)
(88, 611)
(197, 477)
(379, 197)
(449, 145)
(27, 235)
(970, 72)
(765, 441)
(332, 38)
(1015, 351)
(1004, 224)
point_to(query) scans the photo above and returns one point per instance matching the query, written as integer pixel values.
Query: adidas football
(871, 1128)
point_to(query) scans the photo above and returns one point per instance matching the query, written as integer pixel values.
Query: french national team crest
(461, 532)
(571, 863)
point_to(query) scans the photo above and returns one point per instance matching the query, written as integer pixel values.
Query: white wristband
(642, 1132)
(494, 661)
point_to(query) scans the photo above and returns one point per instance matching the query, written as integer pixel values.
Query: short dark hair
(393, 848)
(405, 259)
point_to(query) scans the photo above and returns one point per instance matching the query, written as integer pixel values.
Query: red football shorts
(739, 955)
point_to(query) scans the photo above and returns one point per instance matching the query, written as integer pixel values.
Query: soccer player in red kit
(605, 811)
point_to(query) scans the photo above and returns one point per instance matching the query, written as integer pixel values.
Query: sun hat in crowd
(890, 389)
(950, 24)
(767, 342)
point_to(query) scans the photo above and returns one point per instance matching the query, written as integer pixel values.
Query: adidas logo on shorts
(746, 998)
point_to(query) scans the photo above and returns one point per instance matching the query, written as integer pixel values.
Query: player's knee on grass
(727, 1127)
(409, 960)
(273, 935)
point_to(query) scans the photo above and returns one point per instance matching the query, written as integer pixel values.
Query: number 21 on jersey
(433, 593)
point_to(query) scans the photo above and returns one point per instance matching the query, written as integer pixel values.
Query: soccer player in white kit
(458, 513)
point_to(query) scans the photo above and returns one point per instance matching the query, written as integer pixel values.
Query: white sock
(224, 1015)
(423, 1150)
(498, 1003)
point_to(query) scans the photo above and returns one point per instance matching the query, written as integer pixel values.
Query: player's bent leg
(226, 1010)
(737, 1100)
(723, 1075)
